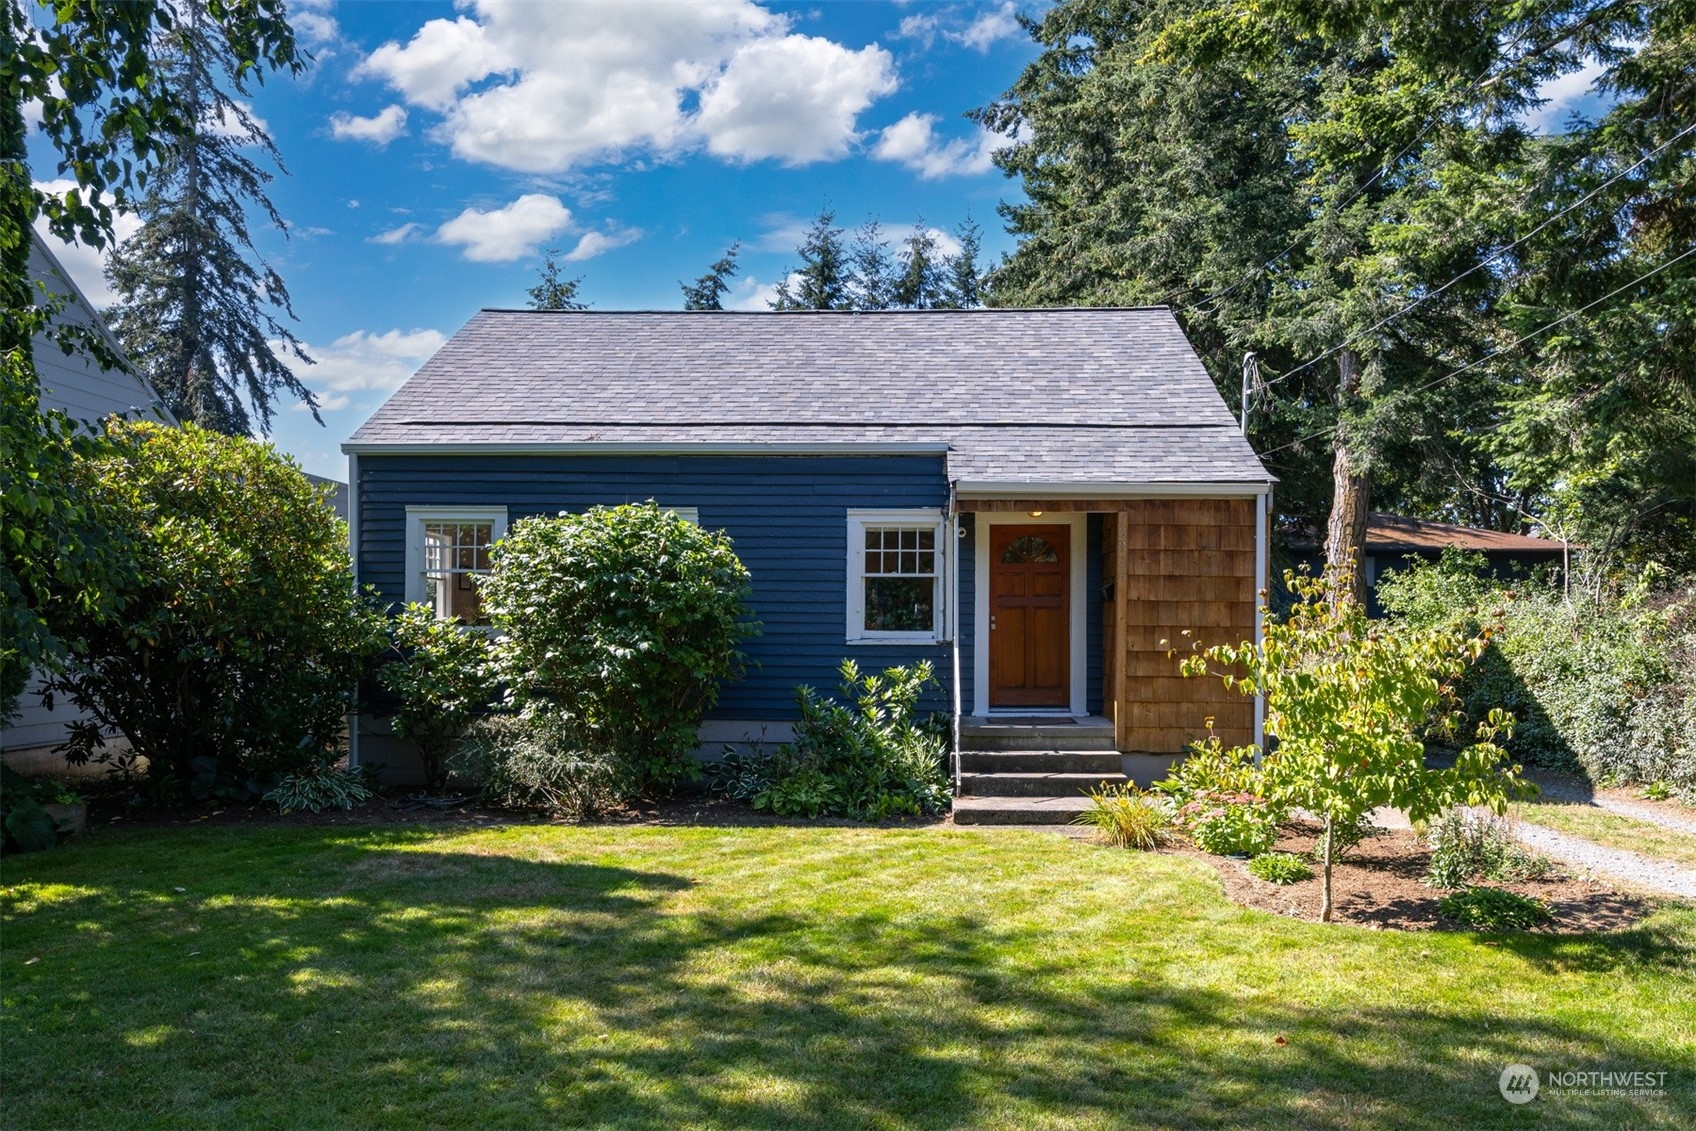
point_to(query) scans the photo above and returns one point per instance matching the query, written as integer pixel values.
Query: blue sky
(434, 149)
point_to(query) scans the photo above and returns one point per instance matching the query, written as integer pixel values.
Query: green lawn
(777, 977)
(1612, 829)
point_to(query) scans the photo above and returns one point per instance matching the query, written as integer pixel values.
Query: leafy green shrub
(1605, 683)
(25, 823)
(1280, 868)
(1126, 817)
(1494, 909)
(444, 677)
(1349, 701)
(324, 786)
(1211, 767)
(1468, 845)
(1229, 824)
(626, 617)
(537, 760)
(868, 759)
(1657, 791)
(241, 639)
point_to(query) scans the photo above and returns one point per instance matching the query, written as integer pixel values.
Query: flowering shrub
(1230, 824)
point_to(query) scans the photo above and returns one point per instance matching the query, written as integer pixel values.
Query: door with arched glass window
(1029, 616)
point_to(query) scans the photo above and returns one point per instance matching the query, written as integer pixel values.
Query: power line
(1478, 83)
(1429, 295)
(1515, 344)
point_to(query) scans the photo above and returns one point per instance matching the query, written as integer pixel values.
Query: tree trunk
(1345, 533)
(1325, 889)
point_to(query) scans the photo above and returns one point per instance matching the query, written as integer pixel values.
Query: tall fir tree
(199, 310)
(873, 284)
(824, 279)
(707, 292)
(963, 278)
(552, 291)
(920, 285)
(1288, 179)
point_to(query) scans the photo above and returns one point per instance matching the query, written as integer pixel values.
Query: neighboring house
(1392, 538)
(76, 385)
(337, 495)
(1036, 501)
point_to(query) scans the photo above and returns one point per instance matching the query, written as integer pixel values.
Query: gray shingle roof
(1041, 396)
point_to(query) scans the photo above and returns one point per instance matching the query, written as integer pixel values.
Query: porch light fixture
(1036, 514)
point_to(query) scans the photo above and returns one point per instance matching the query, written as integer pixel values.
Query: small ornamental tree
(444, 677)
(627, 619)
(1348, 700)
(242, 638)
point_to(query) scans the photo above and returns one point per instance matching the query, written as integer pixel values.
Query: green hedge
(1604, 686)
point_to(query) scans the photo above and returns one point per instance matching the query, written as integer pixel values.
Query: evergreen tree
(199, 309)
(921, 284)
(552, 292)
(1288, 179)
(824, 279)
(964, 279)
(707, 292)
(873, 283)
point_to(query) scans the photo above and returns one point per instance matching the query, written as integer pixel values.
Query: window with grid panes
(897, 590)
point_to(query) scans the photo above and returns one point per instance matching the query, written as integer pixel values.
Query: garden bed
(1380, 884)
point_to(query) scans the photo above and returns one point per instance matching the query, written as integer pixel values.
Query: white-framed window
(897, 571)
(687, 514)
(446, 548)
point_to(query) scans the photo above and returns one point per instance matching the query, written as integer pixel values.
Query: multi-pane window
(448, 551)
(896, 577)
(454, 554)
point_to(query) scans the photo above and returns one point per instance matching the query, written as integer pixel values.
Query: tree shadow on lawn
(393, 986)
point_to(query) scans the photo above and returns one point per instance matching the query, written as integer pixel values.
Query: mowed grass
(1612, 830)
(777, 977)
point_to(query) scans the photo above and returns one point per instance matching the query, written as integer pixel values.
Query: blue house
(1032, 500)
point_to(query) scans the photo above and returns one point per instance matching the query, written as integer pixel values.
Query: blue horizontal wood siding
(787, 516)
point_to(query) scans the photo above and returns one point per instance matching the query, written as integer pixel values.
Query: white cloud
(312, 22)
(544, 88)
(366, 362)
(379, 129)
(795, 99)
(989, 28)
(396, 235)
(920, 27)
(598, 243)
(512, 232)
(230, 123)
(85, 265)
(1564, 95)
(913, 142)
(751, 294)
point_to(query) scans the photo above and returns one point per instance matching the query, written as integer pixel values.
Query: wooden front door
(1030, 652)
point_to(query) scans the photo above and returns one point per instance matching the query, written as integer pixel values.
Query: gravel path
(1631, 868)
(1561, 787)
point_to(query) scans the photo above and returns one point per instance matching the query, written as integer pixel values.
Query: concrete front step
(1018, 810)
(1035, 785)
(1041, 762)
(1035, 733)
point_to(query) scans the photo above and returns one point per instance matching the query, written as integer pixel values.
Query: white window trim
(1078, 627)
(691, 515)
(858, 520)
(417, 516)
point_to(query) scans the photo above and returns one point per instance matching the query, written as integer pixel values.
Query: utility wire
(1478, 83)
(1515, 344)
(1492, 257)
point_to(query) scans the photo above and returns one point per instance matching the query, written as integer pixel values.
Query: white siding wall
(76, 386)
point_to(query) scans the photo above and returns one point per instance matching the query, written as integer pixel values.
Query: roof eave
(648, 447)
(1082, 489)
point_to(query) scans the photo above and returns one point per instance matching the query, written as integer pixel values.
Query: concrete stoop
(1040, 771)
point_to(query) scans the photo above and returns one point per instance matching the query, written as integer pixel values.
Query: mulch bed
(1380, 886)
